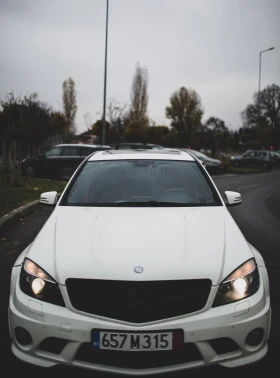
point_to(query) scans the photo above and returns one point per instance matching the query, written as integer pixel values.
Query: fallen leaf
(36, 189)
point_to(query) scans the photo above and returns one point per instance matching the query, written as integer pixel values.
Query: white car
(140, 269)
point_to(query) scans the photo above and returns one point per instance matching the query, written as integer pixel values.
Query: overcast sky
(211, 46)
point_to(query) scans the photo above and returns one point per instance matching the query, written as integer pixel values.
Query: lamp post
(260, 67)
(105, 77)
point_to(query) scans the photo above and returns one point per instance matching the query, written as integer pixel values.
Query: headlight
(242, 283)
(36, 283)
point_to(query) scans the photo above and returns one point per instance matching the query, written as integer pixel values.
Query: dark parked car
(275, 158)
(59, 162)
(212, 165)
(137, 146)
(254, 158)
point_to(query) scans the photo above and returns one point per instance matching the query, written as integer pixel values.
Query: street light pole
(259, 109)
(105, 77)
(260, 64)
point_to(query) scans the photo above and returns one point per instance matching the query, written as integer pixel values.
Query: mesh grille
(138, 302)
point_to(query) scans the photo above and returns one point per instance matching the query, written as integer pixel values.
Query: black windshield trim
(142, 204)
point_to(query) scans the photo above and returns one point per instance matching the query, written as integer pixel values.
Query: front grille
(138, 302)
(138, 360)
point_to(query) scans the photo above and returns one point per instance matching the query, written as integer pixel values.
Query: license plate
(136, 341)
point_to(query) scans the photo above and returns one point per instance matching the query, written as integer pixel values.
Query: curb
(12, 217)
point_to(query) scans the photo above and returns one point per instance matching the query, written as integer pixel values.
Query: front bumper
(215, 169)
(212, 333)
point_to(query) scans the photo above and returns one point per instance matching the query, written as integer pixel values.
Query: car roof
(82, 145)
(141, 154)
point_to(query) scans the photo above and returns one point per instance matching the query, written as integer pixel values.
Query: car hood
(210, 160)
(168, 243)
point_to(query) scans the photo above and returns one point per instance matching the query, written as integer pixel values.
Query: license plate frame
(136, 341)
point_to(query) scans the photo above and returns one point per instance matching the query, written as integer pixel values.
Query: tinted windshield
(141, 183)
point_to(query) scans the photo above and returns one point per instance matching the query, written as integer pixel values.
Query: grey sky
(211, 46)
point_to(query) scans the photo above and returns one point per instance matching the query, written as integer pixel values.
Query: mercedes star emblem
(138, 269)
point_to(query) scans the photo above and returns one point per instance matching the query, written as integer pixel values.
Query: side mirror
(233, 198)
(49, 198)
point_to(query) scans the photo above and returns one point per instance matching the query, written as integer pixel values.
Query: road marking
(249, 186)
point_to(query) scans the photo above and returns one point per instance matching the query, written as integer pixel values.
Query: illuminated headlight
(37, 286)
(242, 283)
(36, 283)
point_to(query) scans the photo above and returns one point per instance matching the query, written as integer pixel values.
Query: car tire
(30, 171)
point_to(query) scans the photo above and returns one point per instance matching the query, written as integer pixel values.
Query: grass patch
(241, 170)
(27, 190)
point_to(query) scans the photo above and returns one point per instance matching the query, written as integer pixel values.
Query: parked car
(212, 165)
(253, 158)
(59, 162)
(140, 269)
(137, 146)
(275, 160)
(176, 149)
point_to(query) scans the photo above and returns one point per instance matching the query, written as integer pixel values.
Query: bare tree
(139, 96)
(117, 114)
(263, 116)
(266, 108)
(69, 103)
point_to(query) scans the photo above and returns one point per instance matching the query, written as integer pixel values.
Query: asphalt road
(258, 218)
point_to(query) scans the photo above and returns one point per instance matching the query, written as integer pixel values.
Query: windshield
(141, 183)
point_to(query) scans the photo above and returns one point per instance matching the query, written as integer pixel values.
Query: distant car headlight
(36, 283)
(242, 283)
(24, 160)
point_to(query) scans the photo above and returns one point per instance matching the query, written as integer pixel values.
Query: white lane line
(249, 186)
